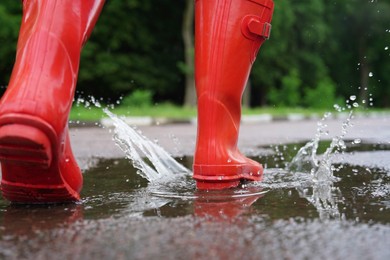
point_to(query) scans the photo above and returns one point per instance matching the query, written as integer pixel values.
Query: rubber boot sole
(30, 168)
(217, 177)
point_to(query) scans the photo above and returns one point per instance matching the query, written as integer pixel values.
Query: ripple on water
(184, 188)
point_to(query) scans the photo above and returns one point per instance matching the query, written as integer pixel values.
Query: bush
(138, 98)
(322, 96)
(288, 95)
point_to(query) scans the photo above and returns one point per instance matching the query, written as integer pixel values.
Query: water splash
(151, 160)
(312, 175)
(322, 193)
(320, 166)
(325, 197)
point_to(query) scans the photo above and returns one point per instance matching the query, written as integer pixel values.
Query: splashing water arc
(138, 148)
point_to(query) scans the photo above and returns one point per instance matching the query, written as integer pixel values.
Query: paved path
(179, 139)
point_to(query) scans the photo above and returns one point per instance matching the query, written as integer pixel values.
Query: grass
(282, 111)
(167, 110)
(163, 110)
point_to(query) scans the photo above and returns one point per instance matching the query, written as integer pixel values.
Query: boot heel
(21, 193)
(24, 145)
(29, 172)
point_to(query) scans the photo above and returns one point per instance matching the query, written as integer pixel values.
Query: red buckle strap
(252, 27)
(259, 28)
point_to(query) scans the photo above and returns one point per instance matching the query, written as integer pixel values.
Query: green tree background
(320, 52)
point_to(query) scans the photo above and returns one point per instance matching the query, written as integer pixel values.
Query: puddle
(114, 188)
(287, 213)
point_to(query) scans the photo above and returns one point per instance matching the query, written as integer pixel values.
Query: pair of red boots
(36, 158)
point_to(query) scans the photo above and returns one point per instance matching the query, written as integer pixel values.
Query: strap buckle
(259, 28)
(252, 27)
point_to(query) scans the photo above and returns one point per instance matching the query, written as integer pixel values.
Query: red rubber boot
(36, 158)
(228, 35)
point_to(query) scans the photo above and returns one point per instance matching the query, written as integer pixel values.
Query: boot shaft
(71, 22)
(228, 35)
(45, 72)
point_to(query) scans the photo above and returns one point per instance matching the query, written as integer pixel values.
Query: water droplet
(386, 48)
(353, 97)
(370, 74)
(357, 141)
(337, 107)
(327, 114)
(355, 104)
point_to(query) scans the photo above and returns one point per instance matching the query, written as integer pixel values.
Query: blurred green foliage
(10, 16)
(138, 98)
(320, 52)
(288, 94)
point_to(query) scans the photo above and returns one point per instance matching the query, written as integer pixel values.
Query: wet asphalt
(64, 233)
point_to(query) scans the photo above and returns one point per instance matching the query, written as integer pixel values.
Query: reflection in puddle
(114, 188)
(166, 175)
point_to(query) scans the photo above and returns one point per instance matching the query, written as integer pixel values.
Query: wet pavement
(288, 216)
(179, 139)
